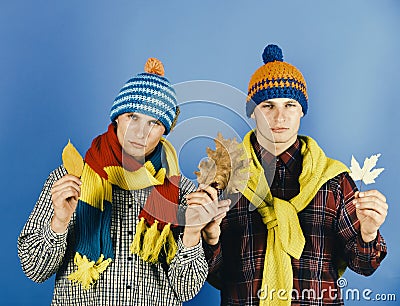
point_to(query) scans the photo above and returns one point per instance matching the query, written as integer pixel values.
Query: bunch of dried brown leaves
(226, 168)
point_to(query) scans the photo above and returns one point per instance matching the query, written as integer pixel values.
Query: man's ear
(252, 115)
(302, 114)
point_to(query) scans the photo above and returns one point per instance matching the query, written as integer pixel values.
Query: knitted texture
(104, 168)
(276, 79)
(285, 236)
(148, 93)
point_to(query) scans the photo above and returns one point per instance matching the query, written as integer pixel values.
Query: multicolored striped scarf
(106, 164)
(285, 236)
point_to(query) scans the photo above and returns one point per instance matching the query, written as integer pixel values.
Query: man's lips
(279, 129)
(137, 145)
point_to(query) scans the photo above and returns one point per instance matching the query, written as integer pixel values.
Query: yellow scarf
(285, 236)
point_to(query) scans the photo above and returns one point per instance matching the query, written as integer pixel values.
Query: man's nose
(280, 115)
(137, 129)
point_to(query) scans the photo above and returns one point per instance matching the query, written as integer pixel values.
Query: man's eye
(291, 105)
(132, 116)
(267, 106)
(154, 123)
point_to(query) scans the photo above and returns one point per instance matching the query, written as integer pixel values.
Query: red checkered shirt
(330, 227)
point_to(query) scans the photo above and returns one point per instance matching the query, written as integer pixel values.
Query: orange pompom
(154, 66)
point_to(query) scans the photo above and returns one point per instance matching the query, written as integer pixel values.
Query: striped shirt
(330, 227)
(128, 280)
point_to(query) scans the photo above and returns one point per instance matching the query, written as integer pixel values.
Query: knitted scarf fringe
(149, 241)
(88, 271)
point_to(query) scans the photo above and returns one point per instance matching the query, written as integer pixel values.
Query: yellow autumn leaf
(72, 160)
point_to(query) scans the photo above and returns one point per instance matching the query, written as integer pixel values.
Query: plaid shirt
(128, 280)
(330, 227)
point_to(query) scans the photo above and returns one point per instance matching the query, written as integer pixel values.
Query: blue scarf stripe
(106, 243)
(88, 227)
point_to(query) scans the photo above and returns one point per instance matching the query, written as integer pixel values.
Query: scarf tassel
(149, 241)
(88, 271)
(137, 240)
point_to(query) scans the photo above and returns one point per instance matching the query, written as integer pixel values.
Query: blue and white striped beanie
(148, 93)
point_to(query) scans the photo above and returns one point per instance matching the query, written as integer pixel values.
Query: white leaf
(366, 174)
(356, 172)
(370, 177)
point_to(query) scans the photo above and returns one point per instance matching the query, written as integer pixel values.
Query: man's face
(138, 134)
(278, 120)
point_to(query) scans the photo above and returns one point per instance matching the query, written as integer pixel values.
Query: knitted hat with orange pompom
(148, 93)
(276, 79)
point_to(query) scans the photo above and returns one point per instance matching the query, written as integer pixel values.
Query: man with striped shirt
(116, 235)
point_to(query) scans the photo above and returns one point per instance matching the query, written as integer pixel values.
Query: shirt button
(185, 256)
(128, 287)
(130, 205)
(130, 258)
(130, 233)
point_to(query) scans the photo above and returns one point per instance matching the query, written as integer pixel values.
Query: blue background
(63, 62)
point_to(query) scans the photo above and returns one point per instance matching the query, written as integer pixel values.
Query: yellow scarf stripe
(285, 236)
(135, 180)
(94, 189)
(172, 158)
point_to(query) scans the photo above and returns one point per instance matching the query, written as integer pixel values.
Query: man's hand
(212, 230)
(203, 208)
(64, 195)
(371, 209)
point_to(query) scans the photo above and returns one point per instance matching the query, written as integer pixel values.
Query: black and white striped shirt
(128, 280)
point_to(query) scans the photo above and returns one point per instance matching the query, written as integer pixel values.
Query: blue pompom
(272, 53)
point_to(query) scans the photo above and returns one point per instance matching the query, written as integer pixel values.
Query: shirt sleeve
(214, 259)
(214, 253)
(188, 270)
(41, 250)
(363, 258)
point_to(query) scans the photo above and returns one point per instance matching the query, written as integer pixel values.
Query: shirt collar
(291, 158)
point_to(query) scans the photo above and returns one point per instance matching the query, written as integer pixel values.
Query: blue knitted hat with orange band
(148, 93)
(276, 79)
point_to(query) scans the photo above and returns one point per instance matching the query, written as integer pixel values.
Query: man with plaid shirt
(300, 221)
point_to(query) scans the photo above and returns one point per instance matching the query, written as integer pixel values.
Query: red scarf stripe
(106, 151)
(162, 203)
